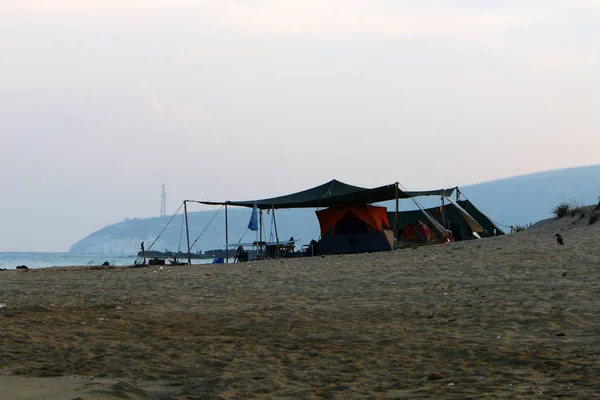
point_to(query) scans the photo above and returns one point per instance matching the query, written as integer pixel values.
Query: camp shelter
(418, 232)
(451, 218)
(331, 194)
(354, 228)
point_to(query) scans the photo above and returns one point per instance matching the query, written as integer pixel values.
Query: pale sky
(101, 102)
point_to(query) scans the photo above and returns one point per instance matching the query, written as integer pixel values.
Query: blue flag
(253, 224)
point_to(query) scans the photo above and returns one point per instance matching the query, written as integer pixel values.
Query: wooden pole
(187, 232)
(226, 237)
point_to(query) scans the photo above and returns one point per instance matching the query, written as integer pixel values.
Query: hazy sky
(103, 101)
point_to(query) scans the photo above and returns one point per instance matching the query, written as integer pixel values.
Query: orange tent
(373, 216)
(354, 228)
(418, 232)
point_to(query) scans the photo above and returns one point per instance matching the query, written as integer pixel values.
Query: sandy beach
(508, 317)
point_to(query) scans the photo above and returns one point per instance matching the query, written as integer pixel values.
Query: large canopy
(331, 194)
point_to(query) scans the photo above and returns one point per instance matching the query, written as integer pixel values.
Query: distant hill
(511, 201)
(530, 198)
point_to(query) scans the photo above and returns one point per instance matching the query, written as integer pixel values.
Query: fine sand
(508, 317)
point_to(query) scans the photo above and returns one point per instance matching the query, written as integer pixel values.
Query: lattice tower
(163, 202)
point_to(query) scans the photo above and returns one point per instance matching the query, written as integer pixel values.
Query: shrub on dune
(561, 210)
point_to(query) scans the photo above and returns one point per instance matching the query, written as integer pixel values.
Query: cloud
(525, 33)
(564, 59)
(177, 111)
(156, 106)
(301, 18)
(337, 18)
(585, 3)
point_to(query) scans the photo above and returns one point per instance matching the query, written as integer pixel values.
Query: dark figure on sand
(559, 239)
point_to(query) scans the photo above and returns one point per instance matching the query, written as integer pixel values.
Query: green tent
(451, 218)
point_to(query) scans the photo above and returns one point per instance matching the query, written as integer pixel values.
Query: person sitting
(290, 246)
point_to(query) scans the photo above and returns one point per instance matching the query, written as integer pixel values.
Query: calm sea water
(43, 260)
(10, 260)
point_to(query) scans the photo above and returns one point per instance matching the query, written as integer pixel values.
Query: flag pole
(253, 224)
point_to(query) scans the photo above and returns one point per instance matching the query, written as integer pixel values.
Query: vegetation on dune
(573, 208)
(581, 211)
(521, 228)
(561, 210)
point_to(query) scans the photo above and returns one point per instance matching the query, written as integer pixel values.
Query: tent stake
(226, 237)
(187, 232)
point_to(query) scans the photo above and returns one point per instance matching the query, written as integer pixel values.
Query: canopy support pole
(457, 193)
(443, 212)
(187, 232)
(276, 233)
(261, 248)
(226, 237)
(396, 213)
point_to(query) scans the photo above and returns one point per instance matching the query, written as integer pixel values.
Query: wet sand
(508, 317)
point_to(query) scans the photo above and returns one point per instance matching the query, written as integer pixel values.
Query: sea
(10, 260)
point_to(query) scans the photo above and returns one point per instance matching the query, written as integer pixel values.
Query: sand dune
(508, 317)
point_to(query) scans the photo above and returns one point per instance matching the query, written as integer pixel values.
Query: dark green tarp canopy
(331, 194)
